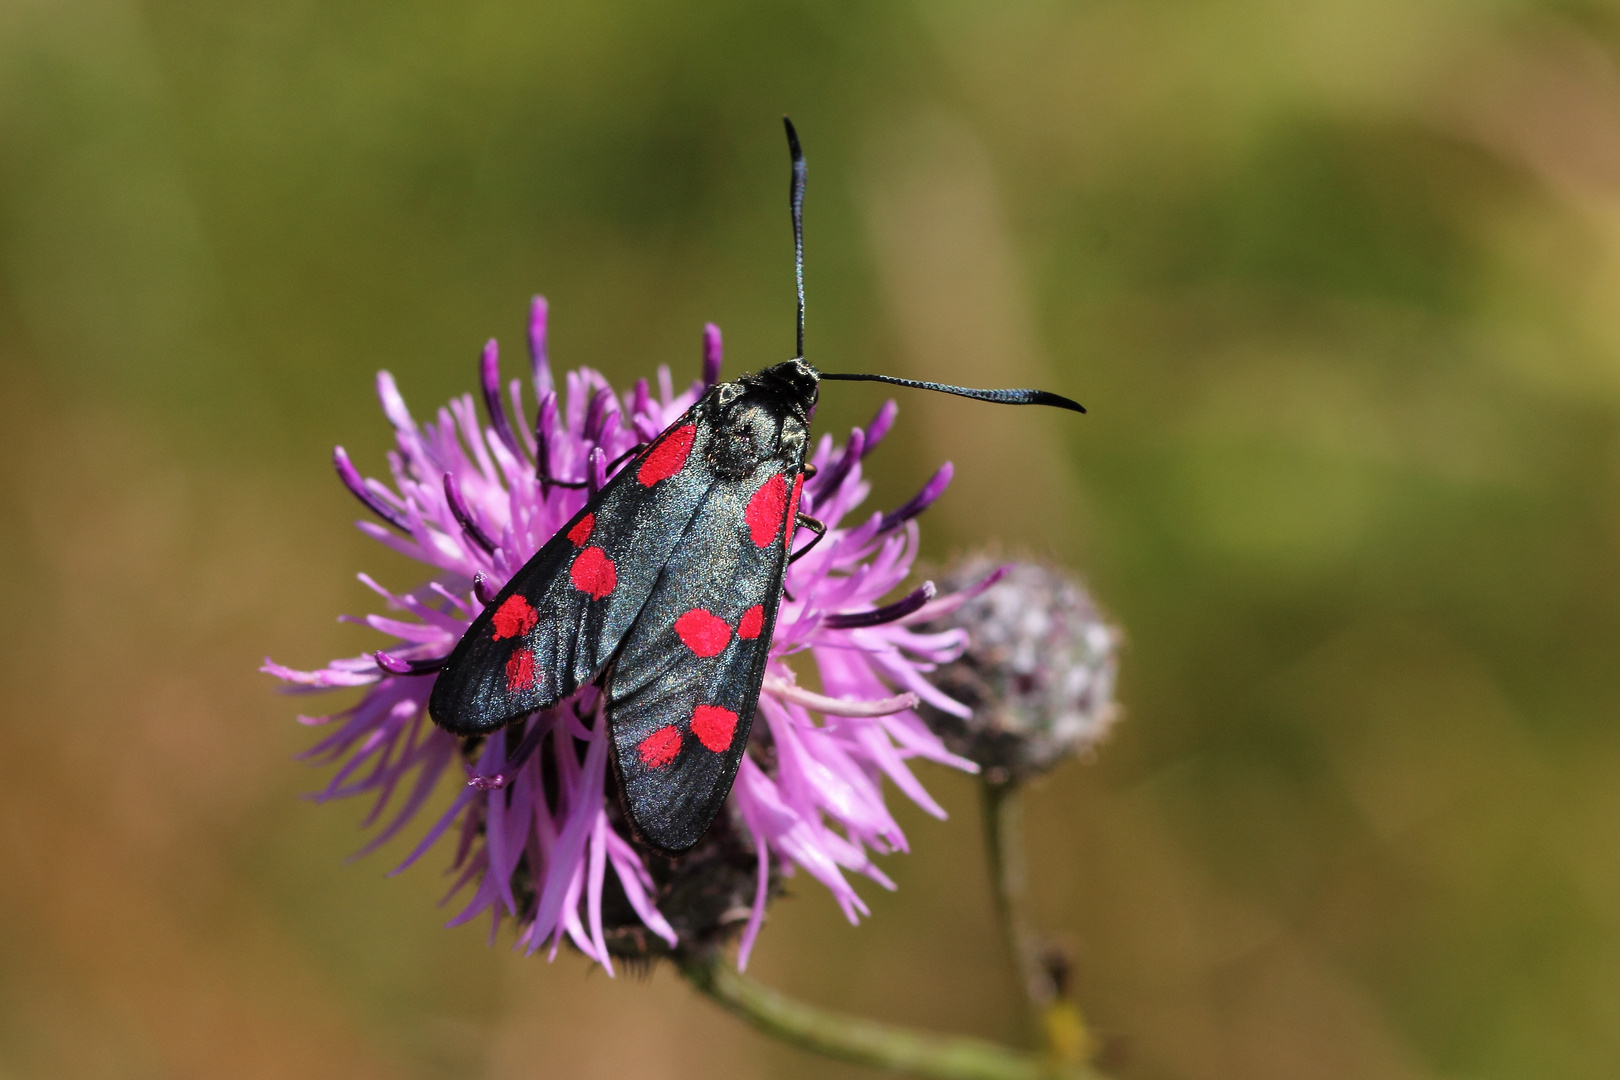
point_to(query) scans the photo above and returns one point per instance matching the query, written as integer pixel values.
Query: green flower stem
(1056, 1016)
(865, 1042)
(1004, 849)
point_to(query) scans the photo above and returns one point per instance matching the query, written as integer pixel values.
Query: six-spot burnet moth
(665, 587)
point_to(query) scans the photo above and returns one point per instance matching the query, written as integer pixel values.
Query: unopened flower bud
(1038, 670)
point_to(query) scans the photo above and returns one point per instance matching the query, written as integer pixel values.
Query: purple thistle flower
(535, 828)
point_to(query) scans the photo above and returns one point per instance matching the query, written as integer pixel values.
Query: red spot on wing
(660, 748)
(714, 726)
(765, 509)
(593, 573)
(793, 510)
(514, 617)
(752, 622)
(582, 530)
(666, 458)
(703, 632)
(520, 671)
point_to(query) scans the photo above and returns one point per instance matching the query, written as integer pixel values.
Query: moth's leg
(810, 470)
(520, 746)
(622, 458)
(395, 666)
(580, 485)
(542, 464)
(815, 526)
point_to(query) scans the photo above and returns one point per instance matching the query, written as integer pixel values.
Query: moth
(664, 590)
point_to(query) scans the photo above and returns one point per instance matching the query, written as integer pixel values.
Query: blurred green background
(1339, 280)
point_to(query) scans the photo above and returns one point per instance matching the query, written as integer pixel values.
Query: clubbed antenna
(796, 202)
(1000, 397)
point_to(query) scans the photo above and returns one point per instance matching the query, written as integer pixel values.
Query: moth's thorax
(762, 415)
(793, 384)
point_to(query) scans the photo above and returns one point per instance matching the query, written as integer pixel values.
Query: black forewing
(558, 609)
(669, 705)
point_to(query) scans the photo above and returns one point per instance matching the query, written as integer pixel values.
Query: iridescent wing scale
(682, 693)
(669, 580)
(559, 620)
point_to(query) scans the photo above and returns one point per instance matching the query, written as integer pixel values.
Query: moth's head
(795, 383)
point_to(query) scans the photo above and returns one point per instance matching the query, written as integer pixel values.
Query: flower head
(535, 828)
(1038, 671)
